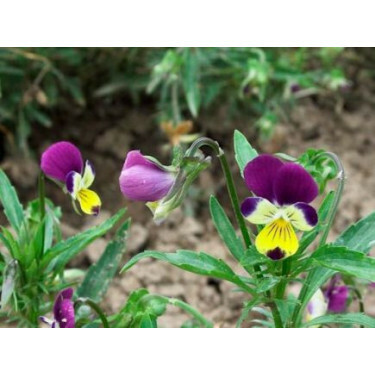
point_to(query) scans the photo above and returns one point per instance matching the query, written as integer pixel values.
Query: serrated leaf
(199, 263)
(100, 274)
(267, 283)
(359, 236)
(353, 318)
(244, 152)
(225, 229)
(12, 207)
(341, 259)
(247, 309)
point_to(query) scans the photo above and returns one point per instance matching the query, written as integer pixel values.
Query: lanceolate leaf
(346, 261)
(100, 274)
(62, 252)
(244, 152)
(191, 80)
(225, 229)
(12, 207)
(343, 319)
(199, 263)
(359, 236)
(9, 280)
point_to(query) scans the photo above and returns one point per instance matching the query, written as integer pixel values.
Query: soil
(106, 133)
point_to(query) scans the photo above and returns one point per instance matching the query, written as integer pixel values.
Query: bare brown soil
(105, 139)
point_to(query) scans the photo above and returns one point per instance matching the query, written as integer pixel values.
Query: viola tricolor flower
(63, 162)
(144, 180)
(316, 307)
(63, 311)
(283, 193)
(337, 296)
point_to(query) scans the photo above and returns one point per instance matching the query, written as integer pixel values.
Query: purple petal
(249, 205)
(63, 309)
(309, 213)
(140, 183)
(61, 158)
(337, 298)
(294, 184)
(142, 180)
(260, 174)
(135, 158)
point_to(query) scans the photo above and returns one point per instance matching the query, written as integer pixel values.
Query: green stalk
(286, 267)
(331, 217)
(339, 191)
(189, 309)
(95, 307)
(204, 141)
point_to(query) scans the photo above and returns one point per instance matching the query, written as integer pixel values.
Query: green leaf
(100, 274)
(9, 281)
(359, 236)
(199, 263)
(353, 318)
(341, 259)
(247, 309)
(267, 283)
(225, 229)
(191, 80)
(12, 207)
(244, 152)
(323, 212)
(64, 251)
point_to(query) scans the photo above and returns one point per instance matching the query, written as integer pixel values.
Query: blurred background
(111, 100)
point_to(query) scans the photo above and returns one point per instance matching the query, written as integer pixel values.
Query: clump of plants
(280, 240)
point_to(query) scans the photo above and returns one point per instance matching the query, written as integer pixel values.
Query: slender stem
(204, 141)
(331, 217)
(189, 309)
(360, 301)
(42, 204)
(95, 307)
(339, 191)
(286, 266)
(42, 210)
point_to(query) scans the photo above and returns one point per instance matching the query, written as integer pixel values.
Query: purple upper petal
(63, 309)
(294, 184)
(61, 158)
(260, 174)
(142, 180)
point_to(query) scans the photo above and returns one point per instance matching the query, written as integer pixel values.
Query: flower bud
(145, 180)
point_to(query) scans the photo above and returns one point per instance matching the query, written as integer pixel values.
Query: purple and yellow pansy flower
(63, 162)
(63, 311)
(283, 193)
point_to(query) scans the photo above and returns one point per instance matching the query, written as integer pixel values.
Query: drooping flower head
(283, 193)
(144, 180)
(63, 162)
(63, 311)
(337, 295)
(163, 188)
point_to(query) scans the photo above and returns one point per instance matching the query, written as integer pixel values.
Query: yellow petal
(277, 239)
(89, 201)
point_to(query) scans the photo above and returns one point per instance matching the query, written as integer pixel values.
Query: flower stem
(339, 191)
(286, 266)
(41, 190)
(95, 307)
(204, 141)
(331, 217)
